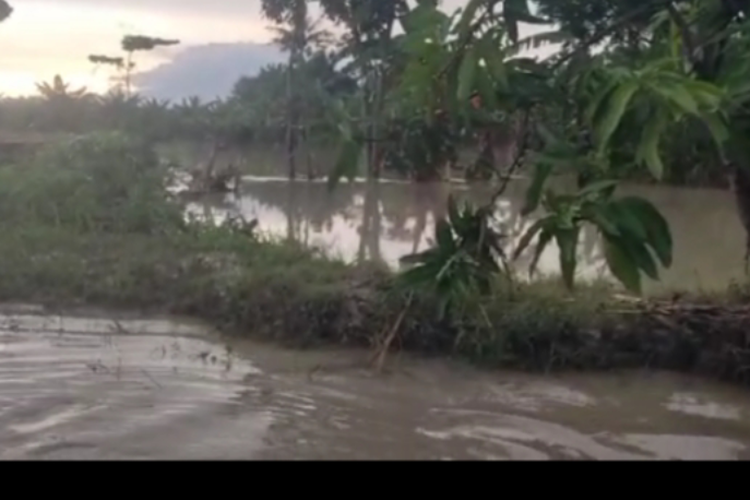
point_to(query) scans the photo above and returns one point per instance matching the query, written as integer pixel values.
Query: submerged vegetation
(92, 219)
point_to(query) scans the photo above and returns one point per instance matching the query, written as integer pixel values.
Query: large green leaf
(528, 236)
(680, 96)
(444, 236)
(486, 88)
(627, 222)
(648, 149)
(596, 105)
(716, 125)
(467, 17)
(466, 73)
(454, 215)
(420, 257)
(542, 171)
(622, 266)
(616, 105)
(419, 276)
(493, 59)
(600, 220)
(658, 234)
(545, 237)
(707, 94)
(640, 255)
(425, 21)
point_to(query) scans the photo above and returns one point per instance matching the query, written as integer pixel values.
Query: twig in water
(148, 375)
(118, 328)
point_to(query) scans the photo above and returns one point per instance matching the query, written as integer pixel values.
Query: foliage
(132, 43)
(598, 116)
(59, 90)
(254, 111)
(636, 88)
(463, 262)
(631, 228)
(101, 182)
(417, 147)
(102, 59)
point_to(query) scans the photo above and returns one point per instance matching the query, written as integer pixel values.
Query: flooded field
(391, 219)
(95, 388)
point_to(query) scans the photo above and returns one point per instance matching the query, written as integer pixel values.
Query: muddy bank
(83, 229)
(286, 294)
(526, 329)
(145, 390)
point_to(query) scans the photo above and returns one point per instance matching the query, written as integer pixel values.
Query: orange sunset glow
(44, 38)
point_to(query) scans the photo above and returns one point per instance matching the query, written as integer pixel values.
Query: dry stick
(380, 355)
(517, 157)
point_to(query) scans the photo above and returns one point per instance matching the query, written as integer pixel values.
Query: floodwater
(392, 219)
(88, 387)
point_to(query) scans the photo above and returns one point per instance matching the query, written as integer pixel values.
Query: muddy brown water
(392, 219)
(89, 387)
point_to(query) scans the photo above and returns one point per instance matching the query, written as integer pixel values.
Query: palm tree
(59, 89)
(64, 107)
(296, 33)
(135, 43)
(117, 109)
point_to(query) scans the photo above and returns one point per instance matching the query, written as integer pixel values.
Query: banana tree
(601, 102)
(65, 106)
(369, 42)
(602, 96)
(59, 89)
(297, 34)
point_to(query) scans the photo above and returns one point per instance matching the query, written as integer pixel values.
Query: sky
(43, 38)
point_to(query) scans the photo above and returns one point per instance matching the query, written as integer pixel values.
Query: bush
(99, 182)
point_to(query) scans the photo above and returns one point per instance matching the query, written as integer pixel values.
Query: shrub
(98, 182)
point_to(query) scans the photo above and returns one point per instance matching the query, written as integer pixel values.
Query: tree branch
(687, 35)
(464, 42)
(604, 33)
(518, 157)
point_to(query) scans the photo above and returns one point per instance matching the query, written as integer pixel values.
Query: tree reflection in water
(383, 221)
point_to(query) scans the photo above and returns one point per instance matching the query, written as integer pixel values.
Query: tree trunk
(308, 154)
(290, 121)
(128, 70)
(375, 115)
(739, 180)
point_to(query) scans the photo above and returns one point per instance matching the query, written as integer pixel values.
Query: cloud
(45, 37)
(207, 71)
